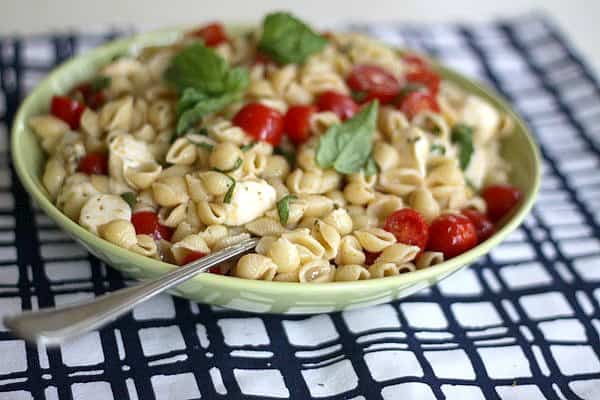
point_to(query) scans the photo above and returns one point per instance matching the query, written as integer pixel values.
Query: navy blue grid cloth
(523, 323)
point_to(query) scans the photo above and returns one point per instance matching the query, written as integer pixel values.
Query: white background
(579, 18)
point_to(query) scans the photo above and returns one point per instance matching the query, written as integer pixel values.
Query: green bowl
(247, 295)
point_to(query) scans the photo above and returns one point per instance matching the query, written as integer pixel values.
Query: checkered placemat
(522, 324)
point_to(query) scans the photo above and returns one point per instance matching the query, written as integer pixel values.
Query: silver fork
(53, 326)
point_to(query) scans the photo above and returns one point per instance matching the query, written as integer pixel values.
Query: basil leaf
(201, 68)
(191, 112)
(130, 198)
(287, 40)
(283, 208)
(229, 194)
(236, 165)
(371, 168)
(205, 82)
(437, 149)
(462, 136)
(289, 155)
(347, 146)
(100, 82)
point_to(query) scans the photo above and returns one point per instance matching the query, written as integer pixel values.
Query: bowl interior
(257, 296)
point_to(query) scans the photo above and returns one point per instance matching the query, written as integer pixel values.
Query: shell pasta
(349, 159)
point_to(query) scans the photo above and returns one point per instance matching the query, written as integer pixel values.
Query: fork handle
(53, 326)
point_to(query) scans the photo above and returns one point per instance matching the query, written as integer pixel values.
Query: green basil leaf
(287, 40)
(200, 68)
(100, 82)
(283, 208)
(347, 146)
(229, 193)
(371, 168)
(190, 112)
(130, 198)
(289, 155)
(462, 136)
(238, 163)
(205, 82)
(437, 149)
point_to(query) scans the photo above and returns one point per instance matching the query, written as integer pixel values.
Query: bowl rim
(228, 282)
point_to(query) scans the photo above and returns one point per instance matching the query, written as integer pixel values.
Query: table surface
(577, 17)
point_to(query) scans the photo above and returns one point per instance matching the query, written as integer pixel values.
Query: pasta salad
(349, 159)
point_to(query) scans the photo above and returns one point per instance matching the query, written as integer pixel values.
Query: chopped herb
(248, 146)
(283, 208)
(289, 155)
(414, 139)
(409, 88)
(100, 82)
(236, 165)
(359, 95)
(437, 149)
(287, 40)
(130, 198)
(347, 146)
(205, 145)
(203, 132)
(462, 136)
(229, 194)
(205, 82)
(371, 168)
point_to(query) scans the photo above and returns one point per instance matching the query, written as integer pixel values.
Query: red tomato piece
(415, 61)
(408, 226)
(415, 102)
(452, 235)
(371, 257)
(260, 122)
(212, 34)
(192, 256)
(483, 226)
(344, 106)
(374, 82)
(144, 222)
(262, 58)
(67, 109)
(500, 200)
(94, 99)
(427, 78)
(163, 232)
(297, 123)
(94, 164)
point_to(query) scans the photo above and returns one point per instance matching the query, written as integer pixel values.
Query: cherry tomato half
(94, 99)
(452, 235)
(483, 226)
(296, 123)
(370, 257)
(500, 199)
(408, 226)
(93, 164)
(427, 78)
(212, 34)
(415, 61)
(344, 106)
(374, 82)
(67, 109)
(415, 102)
(260, 122)
(146, 223)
